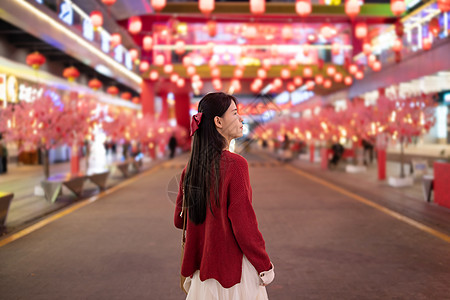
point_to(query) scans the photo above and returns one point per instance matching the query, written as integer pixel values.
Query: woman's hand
(267, 277)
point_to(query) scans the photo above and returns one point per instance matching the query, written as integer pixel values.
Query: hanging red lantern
(217, 84)
(367, 48)
(135, 99)
(134, 25)
(159, 60)
(144, 66)
(180, 82)
(266, 63)
(112, 90)
(180, 47)
(327, 84)
(71, 73)
(335, 48)
(147, 43)
(328, 31)
(261, 73)
(257, 7)
(348, 80)
(298, 81)
(206, 6)
(215, 72)
(338, 77)
(426, 43)
(95, 84)
(96, 18)
(190, 70)
(434, 26)
(293, 64)
(238, 73)
(359, 75)
(187, 61)
(361, 30)
(352, 69)
(290, 87)
(287, 32)
(318, 79)
(168, 68)
(398, 45)
(126, 95)
(174, 77)
(444, 5)
(398, 7)
(399, 29)
(212, 28)
(158, 5)
(310, 85)
(285, 73)
(331, 70)
(307, 72)
(134, 54)
(35, 60)
(303, 7)
(371, 59)
(277, 83)
(376, 66)
(116, 39)
(352, 8)
(154, 75)
(109, 2)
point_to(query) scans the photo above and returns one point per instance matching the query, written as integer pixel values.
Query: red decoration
(376, 66)
(290, 87)
(174, 77)
(310, 85)
(331, 70)
(96, 18)
(444, 5)
(434, 26)
(285, 73)
(95, 84)
(359, 75)
(398, 45)
(318, 79)
(348, 80)
(135, 99)
(361, 30)
(298, 81)
(134, 25)
(180, 82)
(168, 68)
(206, 6)
(154, 75)
(147, 43)
(399, 29)
(328, 31)
(134, 53)
(352, 8)
(35, 60)
(190, 70)
(335, 48)
(116, 39)
(212, 28)
(261, 73)
(338, 77)
(238, 73)
(287, 32)
(257, 7)
(215, 72)
(180, 47)
(144, 66)
(398, 7)
(307, 72)
(158, 5)
(112, 90)
(266, 63)
(126, 95)
(71, 73)
(327, 83)
(303, 7)
(426, 43)
(109, 2)
(367, 48)
(352, 69)
(159, 60)
(187, 61)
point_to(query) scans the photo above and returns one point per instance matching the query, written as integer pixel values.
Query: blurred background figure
(172, 145)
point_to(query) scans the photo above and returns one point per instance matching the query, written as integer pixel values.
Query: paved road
(324, 245)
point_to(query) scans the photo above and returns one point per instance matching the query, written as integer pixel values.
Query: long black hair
(203, 167)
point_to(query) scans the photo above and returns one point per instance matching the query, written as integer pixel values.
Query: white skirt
(211, 289)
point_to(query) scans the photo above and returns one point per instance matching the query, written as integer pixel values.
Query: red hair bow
(196, 119)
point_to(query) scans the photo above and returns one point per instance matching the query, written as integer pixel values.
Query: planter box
(441, 183)
(400, 182)
(5, 201)
(355, 169)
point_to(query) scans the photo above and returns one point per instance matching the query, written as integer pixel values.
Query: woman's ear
(218, 121)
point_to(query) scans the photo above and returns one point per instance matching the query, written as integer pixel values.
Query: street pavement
(324, 244)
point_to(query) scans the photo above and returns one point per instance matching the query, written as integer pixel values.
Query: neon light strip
(281, 48)
(129, 74)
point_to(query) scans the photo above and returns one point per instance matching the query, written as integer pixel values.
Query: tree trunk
(402, 159)
(46, 163)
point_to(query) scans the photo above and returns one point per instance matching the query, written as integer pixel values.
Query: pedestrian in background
(224, 255)
(172, 145)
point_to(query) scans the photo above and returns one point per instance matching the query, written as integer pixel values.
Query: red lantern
(293, 64)
(35, 60)
(109, 2)
(307, 72)
(426, 43)
(215, 72)
(257, 7)
(367, 48)
(144, 66)
(444, 5)
(398, 45)
(134, 53)
(328, 31)
(361, 30)
(147, 43)
(206, 6)
(290, 87)
(359, 75)
(71, 73)
(352, 69)
(217, 84)
(266, 63)
(277, 83)
(376, 66)
(174, 77)
(180, 47)
(159, 60)
(261, 73)
(371, 59)
(112, 90)
(158, 5)
(352, 8)
(287, 33)
(310, 85)
(318, 79)
(134, 25)
(298, 81)
(116, 39)
(95, 84)
(348, 80)
(135, 100)
(126, 95)
(168, 68)
(212, 28)
(285, 73)
(187, 61)
(303, 7)
(238, 73)
(399, 29)
(398, 7)
(338, 77)
(335, 48)
(434, 26)
(190, 70)
(180, 82)
(154, 75)
(331, 70)
(96, 18)
(327, 83)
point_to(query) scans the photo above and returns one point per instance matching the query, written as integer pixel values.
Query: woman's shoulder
(234, 158)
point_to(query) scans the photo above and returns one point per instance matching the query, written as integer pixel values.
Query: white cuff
(267, 276)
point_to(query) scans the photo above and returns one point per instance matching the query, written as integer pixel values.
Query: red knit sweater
(216, 246)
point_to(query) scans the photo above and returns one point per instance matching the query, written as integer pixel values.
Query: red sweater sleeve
(178, 220)
(243, 218)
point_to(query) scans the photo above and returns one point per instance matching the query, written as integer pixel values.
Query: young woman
(224, 256)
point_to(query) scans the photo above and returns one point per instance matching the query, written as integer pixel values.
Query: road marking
(74, 207)
(379, 207)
